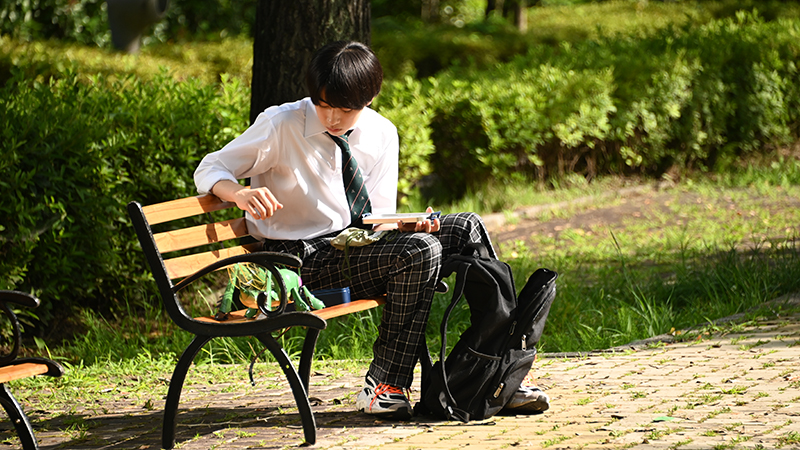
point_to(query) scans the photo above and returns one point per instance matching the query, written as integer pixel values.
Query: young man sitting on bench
(316, 167)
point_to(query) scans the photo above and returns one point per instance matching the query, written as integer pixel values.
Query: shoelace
(383, 388)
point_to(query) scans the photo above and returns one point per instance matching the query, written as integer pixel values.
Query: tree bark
(430, 11)
(521, 15)
(286, 36)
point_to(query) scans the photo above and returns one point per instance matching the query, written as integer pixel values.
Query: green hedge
(75, 153)
(206, 61)
(695, 98)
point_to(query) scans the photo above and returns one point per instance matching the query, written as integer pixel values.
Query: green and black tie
(357, 195)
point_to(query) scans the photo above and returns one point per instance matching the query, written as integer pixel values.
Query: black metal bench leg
(307, 354)
(298, 390)
(18, 418)
(175, 388)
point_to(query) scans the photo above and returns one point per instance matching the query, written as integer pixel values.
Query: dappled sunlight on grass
(678, 258)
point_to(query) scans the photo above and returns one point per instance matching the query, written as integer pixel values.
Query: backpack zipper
(499, 390)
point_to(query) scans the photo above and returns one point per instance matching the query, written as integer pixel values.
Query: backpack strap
(460, 264)
(449, 405)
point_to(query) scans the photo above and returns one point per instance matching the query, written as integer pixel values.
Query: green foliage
(403, 103)
(503, 123)
(685, 98)
(449, 11)
(409, 47)
(86, 21)
(75, 154)
(204, 61)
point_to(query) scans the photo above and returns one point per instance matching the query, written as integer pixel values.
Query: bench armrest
(20, 298)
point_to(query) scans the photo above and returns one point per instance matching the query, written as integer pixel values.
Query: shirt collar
(313, 124)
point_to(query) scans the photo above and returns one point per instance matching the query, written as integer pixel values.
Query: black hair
(348, 73)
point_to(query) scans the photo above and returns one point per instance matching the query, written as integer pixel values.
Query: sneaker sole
(399, 414)
(534, 406)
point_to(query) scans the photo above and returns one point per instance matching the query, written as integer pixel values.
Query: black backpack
(493, 356)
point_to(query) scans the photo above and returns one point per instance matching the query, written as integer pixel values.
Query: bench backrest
(196, 236)
(168, 269)
(157, 247)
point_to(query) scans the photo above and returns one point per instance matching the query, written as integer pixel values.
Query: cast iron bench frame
(189, 268)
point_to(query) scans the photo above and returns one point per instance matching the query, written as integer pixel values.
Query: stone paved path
(736, 388)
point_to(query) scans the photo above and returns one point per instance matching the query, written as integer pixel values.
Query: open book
(403, 217)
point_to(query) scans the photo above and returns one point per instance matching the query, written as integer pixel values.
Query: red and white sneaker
(383, 400)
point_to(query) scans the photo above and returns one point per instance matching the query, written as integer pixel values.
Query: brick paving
(737, 388)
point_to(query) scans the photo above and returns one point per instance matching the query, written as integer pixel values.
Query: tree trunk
(286, 36)
(494, 5)
(490, 6)
(430, 11)
(521, 15)
(517, 11)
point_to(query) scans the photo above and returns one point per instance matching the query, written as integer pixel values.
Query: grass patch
(204, 61)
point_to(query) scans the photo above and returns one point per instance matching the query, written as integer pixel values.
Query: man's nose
(333, 118)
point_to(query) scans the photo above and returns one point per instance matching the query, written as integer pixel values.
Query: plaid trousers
(405, 267)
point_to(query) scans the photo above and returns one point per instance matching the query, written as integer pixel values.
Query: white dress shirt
(287, 150)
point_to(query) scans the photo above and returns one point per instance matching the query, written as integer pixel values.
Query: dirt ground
(612, 210)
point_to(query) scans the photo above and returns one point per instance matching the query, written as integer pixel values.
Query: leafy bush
(688, 98)
(86, 21)
(75, 154)
(510, 123)
(409, 47)
(403, 103)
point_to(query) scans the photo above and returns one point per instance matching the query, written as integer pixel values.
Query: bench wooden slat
(184, 207)
(327, 313)
(183, 266)
(348, 308)
(170, 241)
(16, 372)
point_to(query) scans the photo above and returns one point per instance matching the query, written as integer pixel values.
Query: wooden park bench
(178, 271)
(13, 368)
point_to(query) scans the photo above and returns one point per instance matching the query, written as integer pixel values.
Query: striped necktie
(357, 195)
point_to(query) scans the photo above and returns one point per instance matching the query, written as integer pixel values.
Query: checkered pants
(405, 267)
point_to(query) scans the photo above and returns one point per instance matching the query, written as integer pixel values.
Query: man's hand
(260, 202)
(425, 226)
